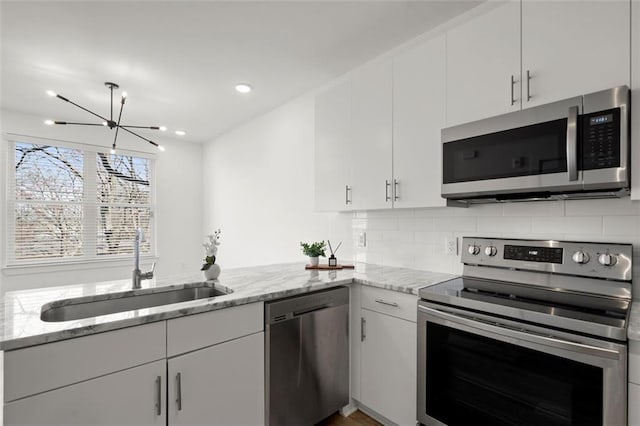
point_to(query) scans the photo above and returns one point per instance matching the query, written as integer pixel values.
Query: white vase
(313, 261)
(212, 272)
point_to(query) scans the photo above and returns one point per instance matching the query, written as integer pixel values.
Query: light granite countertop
(21, 325)
(633, 331)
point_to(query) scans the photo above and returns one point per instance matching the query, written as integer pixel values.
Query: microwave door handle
(572, 143)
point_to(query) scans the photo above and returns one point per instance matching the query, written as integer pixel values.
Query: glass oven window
(474, 380)
(525, 151)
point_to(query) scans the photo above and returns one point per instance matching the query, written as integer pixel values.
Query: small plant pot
(212, 272)
(314, 261)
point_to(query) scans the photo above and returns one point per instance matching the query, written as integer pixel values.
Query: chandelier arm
(77, 124)
(141, 137)
(118, 123)
(81, 107)
(141, 127)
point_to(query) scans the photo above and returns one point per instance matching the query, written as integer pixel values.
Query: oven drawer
(401, 305)
(634, 362)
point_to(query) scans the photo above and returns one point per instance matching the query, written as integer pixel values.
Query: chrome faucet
(138, 275)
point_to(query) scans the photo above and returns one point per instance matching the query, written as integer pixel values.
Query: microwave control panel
(600, 140)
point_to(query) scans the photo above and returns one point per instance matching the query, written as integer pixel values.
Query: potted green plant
(210, 269)
(314, 251)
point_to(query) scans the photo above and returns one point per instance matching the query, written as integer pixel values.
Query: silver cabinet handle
(363, 329)
(528, 85)
(386, 191)
(179, 391)
(347, 190)
(384, 302)
(513, 83)
(396, 197)
(572, 143)
(159, 395)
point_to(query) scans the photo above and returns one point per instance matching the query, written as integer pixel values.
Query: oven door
(474, 371)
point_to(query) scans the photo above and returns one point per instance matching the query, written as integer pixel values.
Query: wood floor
(357, 418)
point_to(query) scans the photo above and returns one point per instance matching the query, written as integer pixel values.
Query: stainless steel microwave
(574, 148)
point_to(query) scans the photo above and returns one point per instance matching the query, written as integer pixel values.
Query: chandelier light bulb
(51, 93)
(49, 122)
(243, 88)
(180, 132)
(124, 95)
(163, 128)
(112, 151)
(161, 148)
(104, 123)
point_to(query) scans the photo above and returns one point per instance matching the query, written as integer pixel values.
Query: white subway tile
(540, 208)
(435, 211)
(372, 236)
(504, 224)
(455, 223)
(415, 224)
(604, 207)
(382, 223)
(567, 225)
(621, 225)
(435, 263)
(397, 236)
(479, 210)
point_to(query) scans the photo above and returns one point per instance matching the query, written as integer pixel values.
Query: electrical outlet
(362, 239)
(451, 246)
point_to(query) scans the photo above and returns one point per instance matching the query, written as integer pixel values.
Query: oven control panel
(598, 260)
(600, 140)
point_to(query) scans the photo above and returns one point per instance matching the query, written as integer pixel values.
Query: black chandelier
(110, 123)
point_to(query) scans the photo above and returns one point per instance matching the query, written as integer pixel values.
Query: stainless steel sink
(104, 304)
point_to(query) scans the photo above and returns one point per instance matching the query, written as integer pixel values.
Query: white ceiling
(179, 60)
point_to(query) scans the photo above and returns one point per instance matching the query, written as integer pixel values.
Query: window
(73, 202)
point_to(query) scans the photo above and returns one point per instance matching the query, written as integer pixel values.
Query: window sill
(39, 268)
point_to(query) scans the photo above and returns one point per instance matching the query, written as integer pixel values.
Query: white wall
(178, 202)
(415, 238)
(259, 189)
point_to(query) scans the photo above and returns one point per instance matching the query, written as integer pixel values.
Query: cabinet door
(389, 367)
(371, 105)
(418, 116)
(221, 384)
(482, 57)
(332, 148)
(635, 94)
(572, 48)
(129, 397)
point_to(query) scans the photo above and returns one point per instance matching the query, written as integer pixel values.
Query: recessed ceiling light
(163, 128)
(51, 93)
(243, 88)
(180, 132)
(49, 122)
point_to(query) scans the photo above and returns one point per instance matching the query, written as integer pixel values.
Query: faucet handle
(153, 268)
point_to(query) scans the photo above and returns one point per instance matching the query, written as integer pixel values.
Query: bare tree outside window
(60, 213)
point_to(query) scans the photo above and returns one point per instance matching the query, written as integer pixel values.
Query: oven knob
(473, 250)
(607, 259)
(580, 257)
(490, 251)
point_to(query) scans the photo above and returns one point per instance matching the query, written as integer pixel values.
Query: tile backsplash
(416, 238)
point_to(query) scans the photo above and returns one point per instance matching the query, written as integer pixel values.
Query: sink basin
(104, 304)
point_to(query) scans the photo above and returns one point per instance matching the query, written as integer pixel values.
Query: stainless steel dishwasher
(307, 357)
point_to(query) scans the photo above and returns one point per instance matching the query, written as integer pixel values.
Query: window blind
(70, 203)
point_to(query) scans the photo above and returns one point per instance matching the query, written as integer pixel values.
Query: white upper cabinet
(371, 136)
(483, 65)
(333, 148)
(635, 94)
(570, 48)
(418, 116)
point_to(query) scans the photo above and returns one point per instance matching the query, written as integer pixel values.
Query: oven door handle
(526, 335)
(572, 144)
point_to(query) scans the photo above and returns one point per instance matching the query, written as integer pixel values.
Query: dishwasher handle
(310, 310)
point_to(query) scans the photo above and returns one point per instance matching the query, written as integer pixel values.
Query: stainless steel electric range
(534, 332)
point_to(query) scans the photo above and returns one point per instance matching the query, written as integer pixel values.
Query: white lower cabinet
(388, 367)
(128, 397)
(221, 384)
